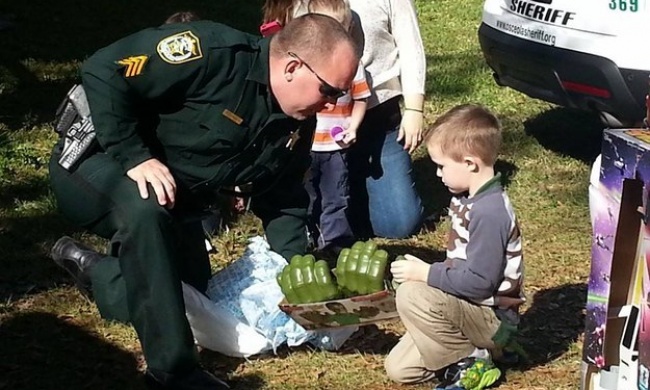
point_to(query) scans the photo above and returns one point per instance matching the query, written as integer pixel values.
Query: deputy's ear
(290, 69)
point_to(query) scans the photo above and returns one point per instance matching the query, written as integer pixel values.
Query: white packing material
(240, 317)
(247, 288)
(218, 330)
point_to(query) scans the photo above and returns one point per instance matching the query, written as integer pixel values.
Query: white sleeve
(406, 31)
(300, 7)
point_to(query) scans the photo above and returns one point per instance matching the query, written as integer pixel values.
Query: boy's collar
(495, 181)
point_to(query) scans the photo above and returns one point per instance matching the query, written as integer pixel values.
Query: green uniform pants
(152, 250)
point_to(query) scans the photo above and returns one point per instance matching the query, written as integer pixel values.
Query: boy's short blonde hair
(338, 9)
(466, 130)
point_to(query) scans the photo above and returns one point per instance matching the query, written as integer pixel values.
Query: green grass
(52, 338)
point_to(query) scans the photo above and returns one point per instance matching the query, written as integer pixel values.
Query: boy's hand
(412, 269)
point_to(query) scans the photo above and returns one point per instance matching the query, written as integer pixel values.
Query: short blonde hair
(466, 130)
(338, 9)
(280, 11)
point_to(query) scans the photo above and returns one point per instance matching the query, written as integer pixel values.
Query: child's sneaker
(469, 374)
(509, 358)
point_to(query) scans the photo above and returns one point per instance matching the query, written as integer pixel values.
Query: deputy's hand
(157, 174)
(412, 269)
(410, 130)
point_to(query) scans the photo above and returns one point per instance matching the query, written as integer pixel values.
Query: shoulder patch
(133, 65)
(180, 48)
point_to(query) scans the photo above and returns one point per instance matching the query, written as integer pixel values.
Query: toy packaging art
(359, 294)
(360, 310)
(617, 324)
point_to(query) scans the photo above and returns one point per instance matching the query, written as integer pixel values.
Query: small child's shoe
(509, 358)
(469, 374)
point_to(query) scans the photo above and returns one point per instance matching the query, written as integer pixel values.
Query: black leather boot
(198, 379)
(76, 259)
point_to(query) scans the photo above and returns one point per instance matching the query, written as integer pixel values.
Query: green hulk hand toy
(305, 280)
(360, 270)
(480, 375)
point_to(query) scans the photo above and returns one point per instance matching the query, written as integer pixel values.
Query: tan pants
(441, 329)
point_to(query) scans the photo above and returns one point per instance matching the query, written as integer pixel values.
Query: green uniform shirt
(196, 96)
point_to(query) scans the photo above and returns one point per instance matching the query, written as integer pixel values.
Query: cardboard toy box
(618, 256)
(644, 328)
(359, 310)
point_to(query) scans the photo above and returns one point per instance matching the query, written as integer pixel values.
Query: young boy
(328, 185)
(459, 311)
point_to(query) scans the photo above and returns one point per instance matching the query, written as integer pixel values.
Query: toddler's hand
(412, 269)
(350, 136)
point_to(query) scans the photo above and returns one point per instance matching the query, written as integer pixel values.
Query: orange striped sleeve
(360, 90)
(324, 137)
(338, 111)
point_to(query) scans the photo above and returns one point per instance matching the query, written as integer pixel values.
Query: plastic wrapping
(242, 318)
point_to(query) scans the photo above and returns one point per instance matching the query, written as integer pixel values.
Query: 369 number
(624, 5)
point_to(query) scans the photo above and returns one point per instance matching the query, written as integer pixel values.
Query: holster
(74, 124)
(73, 107)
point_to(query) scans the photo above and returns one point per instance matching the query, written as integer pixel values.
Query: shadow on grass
(49, 40)
(26, 268)
(28, 226)
(552, 323)
(435, 196)
(369, 339)
(218, 363)
(44, 351)
(507, 170)
(425, 252)
(570, 132)
(24, 190)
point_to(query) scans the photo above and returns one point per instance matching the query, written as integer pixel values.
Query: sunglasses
(326, 89)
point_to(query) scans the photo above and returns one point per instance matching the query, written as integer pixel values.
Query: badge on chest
(180, 48)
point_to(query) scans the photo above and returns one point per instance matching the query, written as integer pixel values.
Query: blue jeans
(329, 193)
(384, 201)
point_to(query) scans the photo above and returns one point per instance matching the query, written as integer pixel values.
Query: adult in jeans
(180, 111)
(383, 195)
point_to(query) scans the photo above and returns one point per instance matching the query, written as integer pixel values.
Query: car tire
(613, 122)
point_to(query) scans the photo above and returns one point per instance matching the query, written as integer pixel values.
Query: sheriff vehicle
(586, 54)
